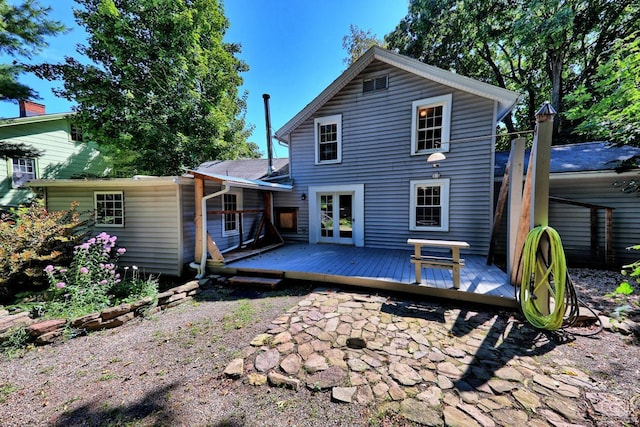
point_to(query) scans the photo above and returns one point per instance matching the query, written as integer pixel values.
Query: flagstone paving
(432, 364)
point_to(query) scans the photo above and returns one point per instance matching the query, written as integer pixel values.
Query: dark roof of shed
(245, 168)
(583, 157)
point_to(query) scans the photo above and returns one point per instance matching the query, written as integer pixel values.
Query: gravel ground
(168, 369)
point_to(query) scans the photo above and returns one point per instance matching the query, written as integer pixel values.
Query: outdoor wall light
(304, 196)
(435, 158)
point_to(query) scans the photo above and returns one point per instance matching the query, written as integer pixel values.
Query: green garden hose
(549, 270)
(539, 272)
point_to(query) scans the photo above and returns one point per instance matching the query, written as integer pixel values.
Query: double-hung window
(75, 133)
(429, 205)
(431, 122)
(231, 204)
(328, 139)
(109, 208)
(22, 170)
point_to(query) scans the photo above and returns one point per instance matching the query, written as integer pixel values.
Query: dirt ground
(168, 369)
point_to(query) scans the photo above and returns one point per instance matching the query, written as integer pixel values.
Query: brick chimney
(30, 108)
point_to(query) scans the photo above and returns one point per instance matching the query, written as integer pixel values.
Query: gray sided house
(153, 217)
(359, 150)
(583, 185)
(64, 153)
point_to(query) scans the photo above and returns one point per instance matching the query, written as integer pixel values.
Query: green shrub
(633, 271)
(32, 237)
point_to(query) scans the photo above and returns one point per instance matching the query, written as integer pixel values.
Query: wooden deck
(378, 269)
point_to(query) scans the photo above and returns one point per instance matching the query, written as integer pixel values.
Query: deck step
(268, 282)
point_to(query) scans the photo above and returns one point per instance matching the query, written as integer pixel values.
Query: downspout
(203, 259)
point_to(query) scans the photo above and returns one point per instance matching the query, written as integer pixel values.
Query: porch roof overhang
(504, 98)
(242, 182)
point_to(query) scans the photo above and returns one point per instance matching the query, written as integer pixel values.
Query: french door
(336, 217)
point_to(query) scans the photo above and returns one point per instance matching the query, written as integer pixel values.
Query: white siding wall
(62, 158)
(376, 152)
(151, 233)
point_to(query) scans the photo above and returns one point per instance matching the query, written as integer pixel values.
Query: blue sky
(293, 49)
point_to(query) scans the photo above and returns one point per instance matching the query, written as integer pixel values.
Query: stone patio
(431, 363)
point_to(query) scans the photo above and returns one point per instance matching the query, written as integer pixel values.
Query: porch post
(199, 194)
(540, 191)
(516, 160)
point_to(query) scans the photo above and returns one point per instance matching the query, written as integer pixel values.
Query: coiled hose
(550, 271)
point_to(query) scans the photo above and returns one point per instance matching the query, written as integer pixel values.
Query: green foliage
(32, 237)
(13, 345)
(358, 42)
(633, 270)
(610, 110)
(542, 49)
(23, 28)
(161, 93)
(92, 281)
(6, 390)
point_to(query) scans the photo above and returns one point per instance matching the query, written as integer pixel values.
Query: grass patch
(6, 390)
(106, 376)
(242, 315)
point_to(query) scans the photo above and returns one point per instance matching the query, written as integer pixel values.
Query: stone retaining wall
(48, 331)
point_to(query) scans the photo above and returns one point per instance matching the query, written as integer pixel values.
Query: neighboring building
(584, 177)
(358, 157)
(64, 153)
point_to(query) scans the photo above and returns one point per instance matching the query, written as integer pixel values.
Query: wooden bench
(454, 263)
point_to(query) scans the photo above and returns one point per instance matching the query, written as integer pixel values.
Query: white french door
(336, 218)
(336, 214)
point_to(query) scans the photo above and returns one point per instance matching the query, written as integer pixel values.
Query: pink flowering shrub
(91, 282)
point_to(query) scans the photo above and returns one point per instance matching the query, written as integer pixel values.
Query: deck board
(382, 268)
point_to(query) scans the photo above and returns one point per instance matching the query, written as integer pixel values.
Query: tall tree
(611, 109)
(161, 93)
(357, 42)
(23, 28)
(541, 48)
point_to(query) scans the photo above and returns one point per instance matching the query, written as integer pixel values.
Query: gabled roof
(34, 119)
(583, 157)
(245, 168)
(506, 99)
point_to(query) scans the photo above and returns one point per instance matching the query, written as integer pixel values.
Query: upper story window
(22, 170)
(429, 205)
(375, 84)
(75, 133)
(231, 204)
(431, 125)
(109, 208)
(328, 139)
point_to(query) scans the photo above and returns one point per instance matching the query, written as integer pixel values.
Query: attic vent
(375, 84)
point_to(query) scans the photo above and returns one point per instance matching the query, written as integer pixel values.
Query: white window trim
(337, 118)
(443, 183)
(238, 194)
(12, 169)
(445, 101)
(95, 207)
(358, 210)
